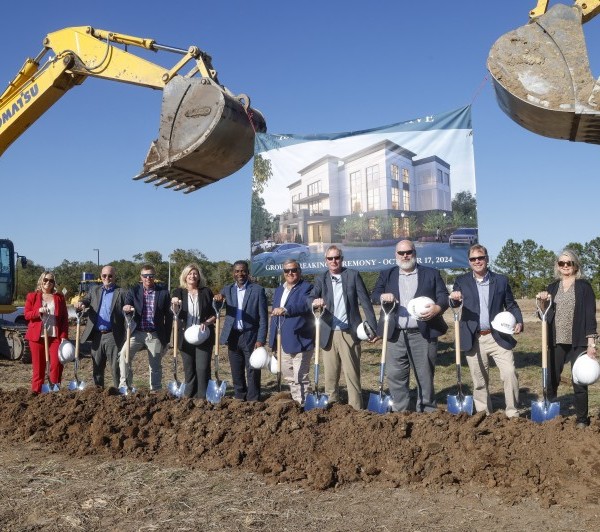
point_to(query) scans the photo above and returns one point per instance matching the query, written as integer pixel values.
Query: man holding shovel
(151, 305)
(484, 294)
(339, 291)
(412, 342)
(105, 325)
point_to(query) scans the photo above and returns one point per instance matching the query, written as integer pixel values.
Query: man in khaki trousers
(339, 291)
(484, 294)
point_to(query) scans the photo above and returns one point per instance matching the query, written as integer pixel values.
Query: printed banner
(364, 191)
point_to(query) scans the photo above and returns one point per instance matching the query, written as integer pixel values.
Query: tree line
(528, 265)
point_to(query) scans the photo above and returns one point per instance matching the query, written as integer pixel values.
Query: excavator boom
(541, 74)
(206, 133)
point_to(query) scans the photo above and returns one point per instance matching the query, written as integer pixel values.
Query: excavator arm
(541, 73)
(206, 132)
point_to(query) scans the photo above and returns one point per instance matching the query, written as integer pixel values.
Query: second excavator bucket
(205, 135)
(542, 77)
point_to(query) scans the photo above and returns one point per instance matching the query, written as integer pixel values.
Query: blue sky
(310, 67)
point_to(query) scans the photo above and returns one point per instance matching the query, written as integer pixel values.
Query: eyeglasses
(336, 257)
(290, 270)
(107, 276)
(563, 263)
(480, 257)
(49, 281)
(408, 252)
(148, 275)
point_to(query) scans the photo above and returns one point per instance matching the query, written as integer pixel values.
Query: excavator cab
(541, 73)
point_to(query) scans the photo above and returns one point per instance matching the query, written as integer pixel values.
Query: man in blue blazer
(484, 294)
(412, 342)
(244, 330)
(292, 311)
(339, 291)
(151, 305)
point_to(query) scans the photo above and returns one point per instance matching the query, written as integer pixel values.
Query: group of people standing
(336, 295)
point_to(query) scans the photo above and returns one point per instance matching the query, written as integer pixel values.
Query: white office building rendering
(381, 181)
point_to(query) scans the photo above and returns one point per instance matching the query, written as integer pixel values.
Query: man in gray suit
(339, 291)
(244, 330)
(105, 325)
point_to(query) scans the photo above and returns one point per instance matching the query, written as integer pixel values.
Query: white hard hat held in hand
(259, 359)
(418, 306)
(66, 352)
(504, 322)
(586, 370)
(196, 335)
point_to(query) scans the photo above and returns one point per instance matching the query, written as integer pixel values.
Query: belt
(147, 330)
(411, 330)
(485, 332)
(105, 331)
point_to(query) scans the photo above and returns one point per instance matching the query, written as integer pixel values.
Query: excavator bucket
(205, 134)
(542, 78)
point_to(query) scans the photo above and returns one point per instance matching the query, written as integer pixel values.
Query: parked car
(464, 236)
(17, 317)
(282, 252)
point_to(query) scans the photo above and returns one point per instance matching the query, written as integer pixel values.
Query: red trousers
(38, 363)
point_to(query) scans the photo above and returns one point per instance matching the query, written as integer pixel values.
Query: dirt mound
(553, 462)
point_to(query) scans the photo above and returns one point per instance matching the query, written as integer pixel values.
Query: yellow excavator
(206, 132)
(541, 73)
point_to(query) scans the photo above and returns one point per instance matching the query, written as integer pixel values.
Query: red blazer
(32, 305)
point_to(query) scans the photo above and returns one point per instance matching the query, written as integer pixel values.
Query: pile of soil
(553, 462)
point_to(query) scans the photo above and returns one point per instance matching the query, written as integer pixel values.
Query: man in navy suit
(151, 305)
(105, 325)
(339, 291)
(292, 311)
(244, 330)
(484, 294)
(412, 342)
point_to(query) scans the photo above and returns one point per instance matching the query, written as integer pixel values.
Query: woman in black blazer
(195, 301)
(572, 321)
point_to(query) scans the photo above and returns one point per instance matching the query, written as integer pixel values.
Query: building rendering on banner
(383, 181)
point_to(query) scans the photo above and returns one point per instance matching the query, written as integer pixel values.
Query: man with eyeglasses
(484, 294)
(411, 342)
(338, 292)
(105, 325)
(150, 304)
(292, 312)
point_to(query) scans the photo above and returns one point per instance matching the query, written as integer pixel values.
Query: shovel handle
(543, 315)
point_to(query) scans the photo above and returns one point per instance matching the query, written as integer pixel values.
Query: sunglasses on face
(563, 263)
(107, 276)
(51, 281)
(480, 257)
(290, 270)
(406, 253)
(336, 257)
(148, 275)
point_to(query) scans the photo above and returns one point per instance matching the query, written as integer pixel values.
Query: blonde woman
(572, 326)
(195, 301)
(45, 303)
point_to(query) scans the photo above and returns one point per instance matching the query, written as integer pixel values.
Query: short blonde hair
(40, 282)
(187, 270)
(573, 258)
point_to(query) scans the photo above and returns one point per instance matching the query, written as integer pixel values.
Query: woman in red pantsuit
(46, 301)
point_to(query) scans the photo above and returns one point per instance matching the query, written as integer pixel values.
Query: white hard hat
(418, 306)
(66, 352)
(195, 335)
(504, 322)
(364, 331)
(586, 370)
(273, 365)
(259, 358)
